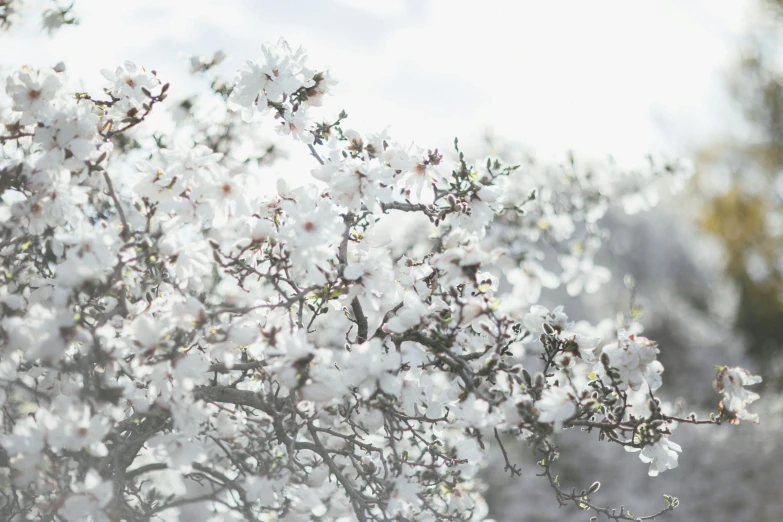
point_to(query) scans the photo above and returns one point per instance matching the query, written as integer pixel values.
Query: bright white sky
(620, 77)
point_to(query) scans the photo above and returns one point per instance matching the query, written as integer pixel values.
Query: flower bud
(218, 57)
(283, 189)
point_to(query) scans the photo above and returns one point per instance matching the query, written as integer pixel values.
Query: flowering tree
(178, 344)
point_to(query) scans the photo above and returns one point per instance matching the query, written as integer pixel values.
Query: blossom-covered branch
(177, 343)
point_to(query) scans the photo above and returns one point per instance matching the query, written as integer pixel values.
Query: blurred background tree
(740, 183)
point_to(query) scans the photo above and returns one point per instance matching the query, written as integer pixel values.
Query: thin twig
(125, 229)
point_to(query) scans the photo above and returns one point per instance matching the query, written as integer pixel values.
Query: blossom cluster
(176, 344)
(284, 83)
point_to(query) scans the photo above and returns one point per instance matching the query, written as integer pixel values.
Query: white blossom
(731, 382)
(661, 456)
(556, 405)
(635, 358)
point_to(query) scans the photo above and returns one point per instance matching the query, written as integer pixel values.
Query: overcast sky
(598, 77)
